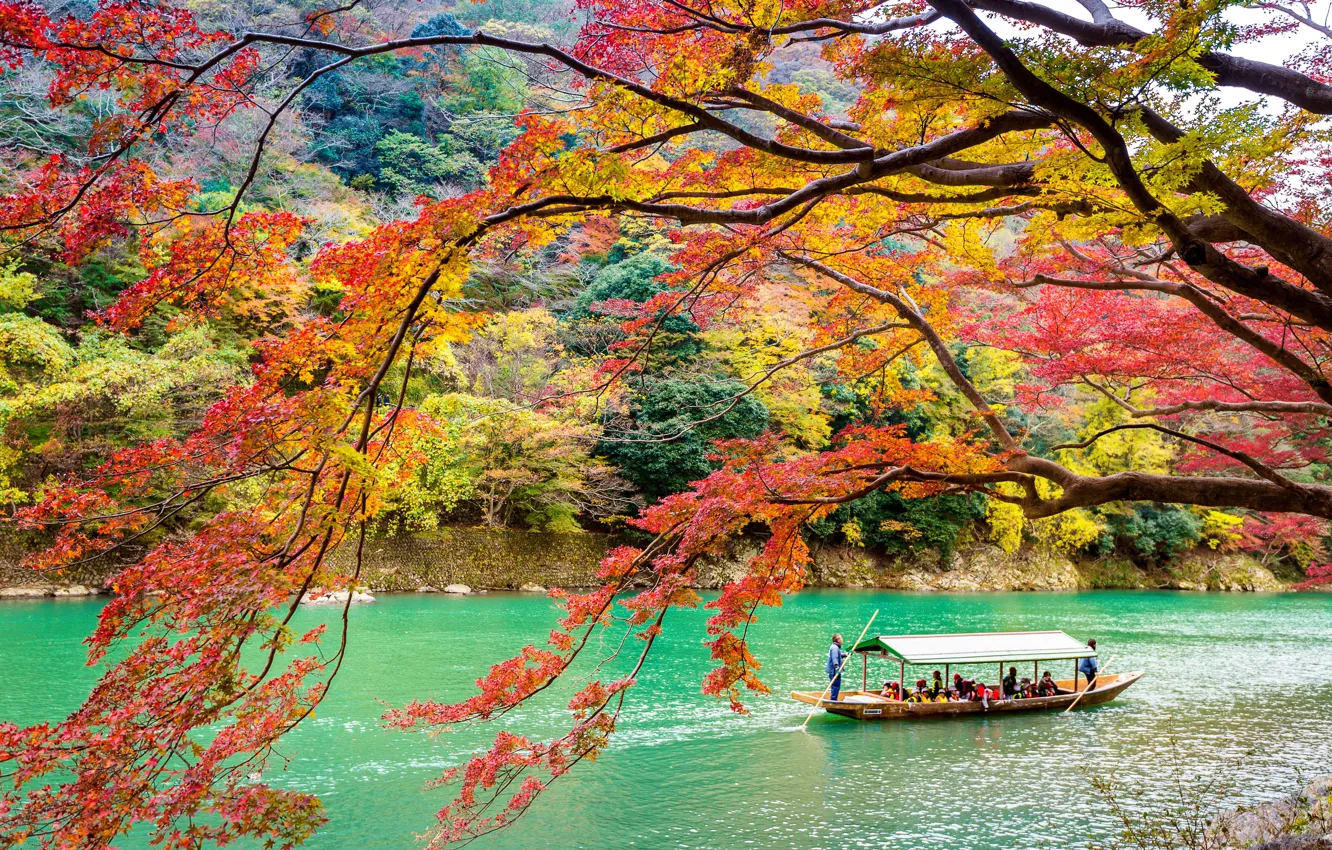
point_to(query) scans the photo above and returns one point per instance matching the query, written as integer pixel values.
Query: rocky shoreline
(518, 560)
(1301, 822)
(39, 591)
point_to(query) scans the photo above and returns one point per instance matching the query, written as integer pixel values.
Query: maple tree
(1069, 189)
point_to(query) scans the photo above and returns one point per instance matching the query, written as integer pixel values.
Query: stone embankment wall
(510, 559)
(985, 567)
(479, 558)
(17, 580)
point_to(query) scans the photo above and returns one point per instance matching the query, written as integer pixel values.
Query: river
(1239, 684)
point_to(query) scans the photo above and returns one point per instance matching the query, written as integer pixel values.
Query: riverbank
(511, 559)
(508, 560)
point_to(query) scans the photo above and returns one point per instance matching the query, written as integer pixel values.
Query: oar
(839, 669)
(1089, 684)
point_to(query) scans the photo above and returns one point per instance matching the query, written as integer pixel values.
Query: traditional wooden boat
(946, 650)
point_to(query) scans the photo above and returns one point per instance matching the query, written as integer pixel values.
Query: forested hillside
(543, 421)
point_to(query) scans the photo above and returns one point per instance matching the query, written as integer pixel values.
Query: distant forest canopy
(526, 439)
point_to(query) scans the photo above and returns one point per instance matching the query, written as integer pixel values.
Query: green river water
(1237, 681)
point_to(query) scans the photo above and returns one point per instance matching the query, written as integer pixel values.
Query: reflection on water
(1242, 679)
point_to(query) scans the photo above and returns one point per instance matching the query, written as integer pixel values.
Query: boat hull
(859, 705)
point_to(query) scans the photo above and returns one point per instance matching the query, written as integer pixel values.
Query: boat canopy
(976, 648)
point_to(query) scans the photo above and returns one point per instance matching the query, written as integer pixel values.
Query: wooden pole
(901, 678)
(864, 671)
(828, 689)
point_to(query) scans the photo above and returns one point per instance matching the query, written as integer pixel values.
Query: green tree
(412, 166)
(509, 467)
(661, 449)
(85, 402)
(891, 523)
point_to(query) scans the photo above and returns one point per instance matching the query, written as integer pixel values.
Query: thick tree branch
(978, 174)
(1088, 491)
(898, 474)
(1200, 255)
(1210, 405)
(1229, 70)
(1291, 242)
(1279, 407)
(1213, 492)
(1261, 469)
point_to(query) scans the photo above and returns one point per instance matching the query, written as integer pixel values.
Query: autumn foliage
(1066, 191)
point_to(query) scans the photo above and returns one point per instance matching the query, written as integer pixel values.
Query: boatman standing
(836, 655)
(1088, 667)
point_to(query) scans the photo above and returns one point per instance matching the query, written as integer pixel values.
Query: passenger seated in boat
(1026, 690)
(1010, 683)
(954, 696)
(962, 686)
(942, 696)
(936, 684)
(891, 690)
(983, 694)
(919, 694)
(1047, 686)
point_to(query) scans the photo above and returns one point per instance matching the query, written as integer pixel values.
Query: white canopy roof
(975, 648)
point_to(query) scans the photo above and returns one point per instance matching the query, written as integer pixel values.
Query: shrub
(1156, 533)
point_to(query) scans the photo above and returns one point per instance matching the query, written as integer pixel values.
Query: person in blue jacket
(836, 655)
(1089, 668)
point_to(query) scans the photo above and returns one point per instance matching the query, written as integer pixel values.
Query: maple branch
(1311, 375)
(1240, 407)
(993, 194)
(909, 473)
(1088, 491)
(1261, 469)
(1200, 254)
(1305, 19)
(701, 116)
(799, 119)
(1217, 492)
(882, 166)
(1217, 228)
(1290, 242)
(763, 377)
(880, 28)
(1279, 407)
(1229, 70)
(949, 172)
(656, 138)
(932, 338)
